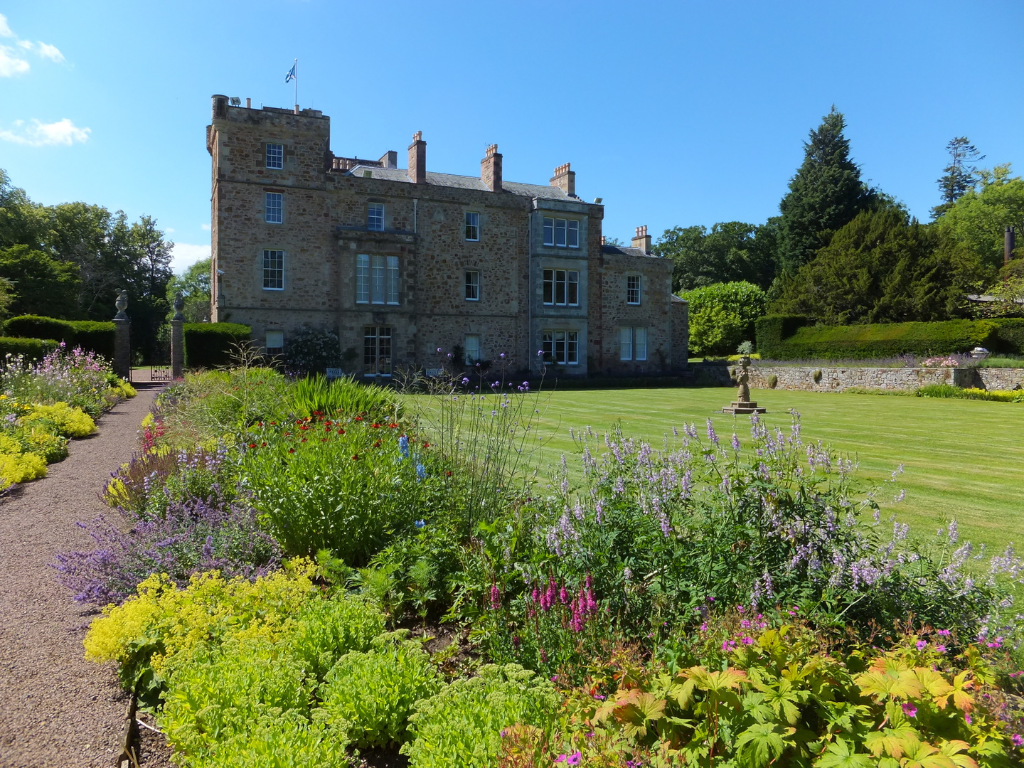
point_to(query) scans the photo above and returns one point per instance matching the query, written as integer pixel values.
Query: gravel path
(56, 709)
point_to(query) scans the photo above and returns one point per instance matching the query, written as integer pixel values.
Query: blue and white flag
(291, 74)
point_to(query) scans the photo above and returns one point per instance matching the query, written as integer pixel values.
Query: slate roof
(619, 250)
(464, 182)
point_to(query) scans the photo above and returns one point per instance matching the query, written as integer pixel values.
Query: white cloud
(38, 134)
(10, 64)
(205, 227)
(184, 255)
(169, 230)
(50, 52)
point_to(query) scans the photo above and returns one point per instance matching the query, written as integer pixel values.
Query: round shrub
(69, 421)
(313, 350)
(20, 468)
(722, 315)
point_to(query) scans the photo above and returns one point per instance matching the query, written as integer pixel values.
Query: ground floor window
(377, 350)
(274, 342)
(561, 347)
(472, 348)
(632, 343)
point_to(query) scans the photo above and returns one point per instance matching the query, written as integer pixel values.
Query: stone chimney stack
(565, 179)
(418, 159)
(490, 169)
(389, 159)
(642, 240)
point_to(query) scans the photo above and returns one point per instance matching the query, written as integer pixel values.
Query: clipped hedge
(208, 345)
(31, 349)
(1009, 335)
(88, 334)
(787, 338)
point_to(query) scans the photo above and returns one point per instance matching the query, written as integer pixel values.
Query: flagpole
(296, 70)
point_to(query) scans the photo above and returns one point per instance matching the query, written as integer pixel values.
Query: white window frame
(391, 281)
(633, 289)
(274, 156)
(273, 272)
(269, 344)
(632, 343)
(471, 345)
(573, 233)
(273, 207)
(378, 343)
(561, 347)
(375, 217)
(560, 233)
(473, 226)
(472, 285)
(363, 278)
(568, 280)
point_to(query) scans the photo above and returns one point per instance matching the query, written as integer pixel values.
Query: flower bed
(44, 404)
(732, 598)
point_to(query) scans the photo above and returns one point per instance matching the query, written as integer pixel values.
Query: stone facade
(367, 249)
(839, 379)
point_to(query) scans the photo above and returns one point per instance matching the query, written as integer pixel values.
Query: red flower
(377, 444)
(264, 445)
(274, 423)
(341, 431)
(287, 434)
(356, 457)
(359, 418)
(291, 450)
(323, 439)
(259, 423)
(426, 445)
(375, 426)
(393, 425)
(449, 473)
(252, 445)
(303, 439)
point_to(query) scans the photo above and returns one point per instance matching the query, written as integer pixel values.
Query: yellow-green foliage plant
(69, 421)
(20, 468)
(164, 628)
(49, 445)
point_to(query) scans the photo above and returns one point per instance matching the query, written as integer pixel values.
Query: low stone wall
(839, 379)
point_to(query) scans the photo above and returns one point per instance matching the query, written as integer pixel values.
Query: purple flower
(921, 645)
(1017, 740)
(909, 710)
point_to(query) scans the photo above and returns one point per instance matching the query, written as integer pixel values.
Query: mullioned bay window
(376, 279)
(561, 233)
(562, 287)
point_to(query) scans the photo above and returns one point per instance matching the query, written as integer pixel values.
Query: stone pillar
(122, 339)
(177, 339)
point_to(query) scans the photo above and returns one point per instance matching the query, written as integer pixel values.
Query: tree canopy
(91, 255)
(959, 176)
(825, 194)
(729, 251)
(194, 286)
(722, 316)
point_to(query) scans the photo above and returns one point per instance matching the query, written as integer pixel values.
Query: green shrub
(209, 345)
(462, 724)
(1009, 336)
(722, 315)
(312, 350)
(369, 696)
(29, 349)
(970, 393)
(343, 397)
(95, 336)
(217, 696)
(38, 327)
(778, 339)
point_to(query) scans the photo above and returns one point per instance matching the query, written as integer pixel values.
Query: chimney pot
(642, 240)
(248, 103)
(565, 179)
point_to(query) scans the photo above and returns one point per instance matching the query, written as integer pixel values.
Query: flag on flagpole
(291, 74)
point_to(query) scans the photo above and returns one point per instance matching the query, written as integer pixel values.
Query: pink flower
(909, 710)
(944, 632)
(940, 648)
(1017, 740)
(748, 641)
(921, 645)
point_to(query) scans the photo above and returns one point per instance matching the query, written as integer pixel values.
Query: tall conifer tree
(960, 175)
(823, 196)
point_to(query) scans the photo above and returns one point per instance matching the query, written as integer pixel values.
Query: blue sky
(674, 113)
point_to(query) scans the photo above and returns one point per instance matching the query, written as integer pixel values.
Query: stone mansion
(399, 262)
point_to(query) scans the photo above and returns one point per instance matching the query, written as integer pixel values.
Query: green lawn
(962, 459)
